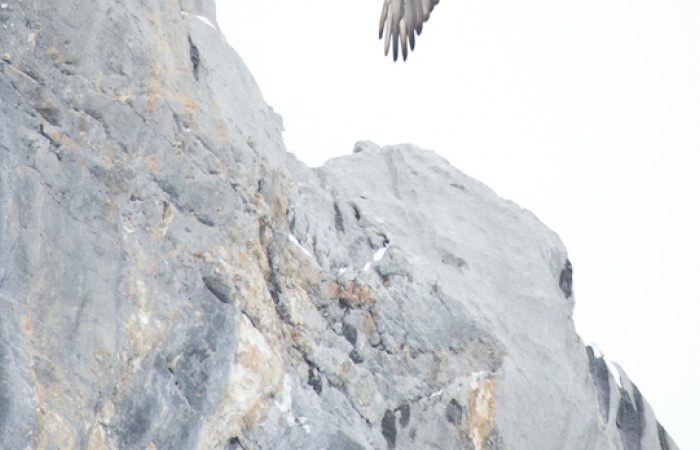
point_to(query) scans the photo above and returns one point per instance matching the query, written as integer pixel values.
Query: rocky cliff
(171, 278)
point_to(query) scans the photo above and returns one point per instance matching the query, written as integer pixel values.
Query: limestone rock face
(171, 278)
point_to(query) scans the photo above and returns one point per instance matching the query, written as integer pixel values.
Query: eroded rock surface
(171, 278)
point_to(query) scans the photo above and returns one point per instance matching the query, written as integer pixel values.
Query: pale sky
(587, 113)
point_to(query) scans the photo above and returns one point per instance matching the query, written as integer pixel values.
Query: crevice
(405, 414)
(204, 221)
(356, 211)
(356, 357)
(274, 286)
(389, 428)
(454, 412)
(315, 380)
(350, 333)
(630, 419)
(663, 437)
(338, 217)
(234, 443)
(566, 279)
(218, 289)
(601, 380)
(194, 57)
(292, 221)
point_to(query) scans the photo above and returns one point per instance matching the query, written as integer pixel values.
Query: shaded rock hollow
(171, 278)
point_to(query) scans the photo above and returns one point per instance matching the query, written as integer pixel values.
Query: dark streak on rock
(350, 333)
(194, 57)
(493, 441)
(601, 379)
(566, 279)
(219, 289)
(338, 218)
(663, 437)
(630, 419)
(389, 428)
(454, 412)
(356, 357)
(405, 412)
(234, 444)
(356, 210)
(315, 380)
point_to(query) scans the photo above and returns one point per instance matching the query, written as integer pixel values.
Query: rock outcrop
(171, 278)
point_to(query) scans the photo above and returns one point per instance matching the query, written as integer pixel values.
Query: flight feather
(401, 21)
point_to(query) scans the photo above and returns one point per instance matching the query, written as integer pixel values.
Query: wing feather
(410, 21)
(382, 19)
(402, 31)
(397, 10)
(401, 21)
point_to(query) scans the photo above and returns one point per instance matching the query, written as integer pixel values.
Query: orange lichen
(482, 405)
(356, 296)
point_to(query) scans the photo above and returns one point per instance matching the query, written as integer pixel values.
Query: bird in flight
(403, 19)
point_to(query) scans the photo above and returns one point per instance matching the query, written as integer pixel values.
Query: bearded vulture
(401, 19)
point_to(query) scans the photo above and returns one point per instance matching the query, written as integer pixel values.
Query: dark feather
(402, 21)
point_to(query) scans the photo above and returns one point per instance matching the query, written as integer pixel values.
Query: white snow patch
(303, 423)
(380, 254)
(202, 18)
(435, 394)
(284, 400)
(342, 270)
(366, 267)
(127, 225)
(596, 351)
(206, 21)
(476, 380)
(614, 371)
(293, 239)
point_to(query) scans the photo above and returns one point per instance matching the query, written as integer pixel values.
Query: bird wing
(403, 19)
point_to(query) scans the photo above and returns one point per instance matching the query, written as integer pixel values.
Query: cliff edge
(171, 278)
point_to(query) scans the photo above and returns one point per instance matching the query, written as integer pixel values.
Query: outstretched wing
(403, 19)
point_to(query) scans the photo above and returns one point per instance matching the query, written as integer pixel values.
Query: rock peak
(172, 278)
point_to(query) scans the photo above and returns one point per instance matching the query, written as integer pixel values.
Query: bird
(403, 19)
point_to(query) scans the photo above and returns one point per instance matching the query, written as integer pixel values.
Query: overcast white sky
(585, 112)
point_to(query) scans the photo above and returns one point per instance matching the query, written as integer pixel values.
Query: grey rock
(601, 379)
(172, 278)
